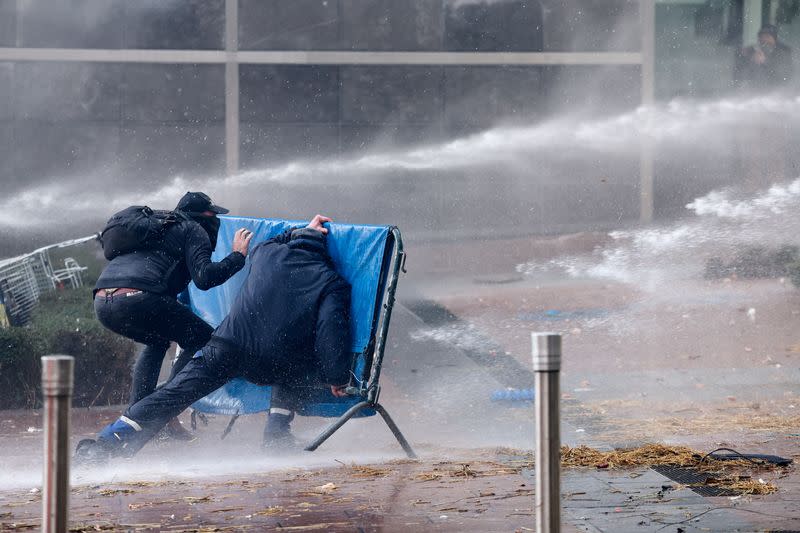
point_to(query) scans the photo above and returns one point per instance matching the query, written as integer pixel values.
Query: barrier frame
(370, 390)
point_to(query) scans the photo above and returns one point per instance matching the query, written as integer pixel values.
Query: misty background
(444, 152)
(517, 188)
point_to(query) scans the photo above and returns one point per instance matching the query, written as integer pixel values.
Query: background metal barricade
(24, 279)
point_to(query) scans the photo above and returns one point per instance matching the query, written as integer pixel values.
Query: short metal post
(547, 367)
(57, 372)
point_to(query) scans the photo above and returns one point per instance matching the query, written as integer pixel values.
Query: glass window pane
(71, 23)
(175, 24)
(288, 93)
(499, 26)
(8, 22)
(391, 95)
(77, 150)
(182, 93)
(482, 96)
(67, 91)
(7, 89)
(266, 144)
(157, 152)
(391, 25)
(294, 25)
(599, 26)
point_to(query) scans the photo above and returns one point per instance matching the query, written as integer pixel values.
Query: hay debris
(429, 476)
(743, 485)
(111, 492)
(369, 472)
(645, 456)
(270, 511)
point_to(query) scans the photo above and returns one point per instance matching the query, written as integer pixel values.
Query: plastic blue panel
(357, 253)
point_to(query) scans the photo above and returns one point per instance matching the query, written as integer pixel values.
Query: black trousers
(294, 394)
(155, 321)
(199, 377)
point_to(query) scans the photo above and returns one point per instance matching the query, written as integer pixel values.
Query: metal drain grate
(694, 480)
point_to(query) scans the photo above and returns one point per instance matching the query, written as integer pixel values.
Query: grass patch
(64, 323)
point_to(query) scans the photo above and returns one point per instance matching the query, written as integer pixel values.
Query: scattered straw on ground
(743, 485)
(647, 455)
(369, 472)
(730, 474)
(650, 455)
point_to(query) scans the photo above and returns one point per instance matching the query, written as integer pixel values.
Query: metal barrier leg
(339, 422)
(229, 427)
(396, 431)
(57, 380)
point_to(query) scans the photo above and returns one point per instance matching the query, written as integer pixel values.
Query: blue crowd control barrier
(370, 258)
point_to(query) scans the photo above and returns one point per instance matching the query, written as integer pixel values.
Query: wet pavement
(423, 495)
(696, 368)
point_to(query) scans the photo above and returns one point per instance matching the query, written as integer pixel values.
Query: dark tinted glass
(71, 23)
(176, 24)
(581, 26)
(160, 151)
(7, 90)
(67, 91)
(480, 96)
(72, 149)
(181, 93)
(8, 22)
(280, 93)
(265, 144)
(294, 25)
(493, 26)
(391, 25)
(391, 95)
(583, 88)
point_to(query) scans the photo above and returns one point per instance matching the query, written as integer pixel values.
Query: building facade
(133, 92)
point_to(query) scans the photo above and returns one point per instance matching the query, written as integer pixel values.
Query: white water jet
(533, 150)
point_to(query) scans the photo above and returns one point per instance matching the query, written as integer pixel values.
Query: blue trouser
(142, 420)
(153, 320)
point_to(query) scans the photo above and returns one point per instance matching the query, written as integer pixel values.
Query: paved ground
(690, 365)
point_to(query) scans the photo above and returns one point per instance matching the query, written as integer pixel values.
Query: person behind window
(765, 66)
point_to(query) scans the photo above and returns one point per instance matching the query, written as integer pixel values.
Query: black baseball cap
(199, 202)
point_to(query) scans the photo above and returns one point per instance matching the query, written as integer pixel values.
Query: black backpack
(134, 228)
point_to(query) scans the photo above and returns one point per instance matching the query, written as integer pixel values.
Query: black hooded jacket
(183, 255)
(774, 73)
(292, 316)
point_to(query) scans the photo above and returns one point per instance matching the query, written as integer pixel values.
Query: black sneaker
(281, 443)
(89, 452)
(175, 431)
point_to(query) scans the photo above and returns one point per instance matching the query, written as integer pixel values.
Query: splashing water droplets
(651, 258)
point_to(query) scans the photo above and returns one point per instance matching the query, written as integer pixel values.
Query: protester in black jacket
(767, 66)
(290, 319)
(135, 295)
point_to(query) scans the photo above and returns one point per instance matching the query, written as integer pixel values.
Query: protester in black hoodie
(136, 295)
(767, 66)
(291, 319)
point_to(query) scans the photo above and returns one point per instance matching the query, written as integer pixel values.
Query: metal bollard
(547, 368)
(57, 379)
